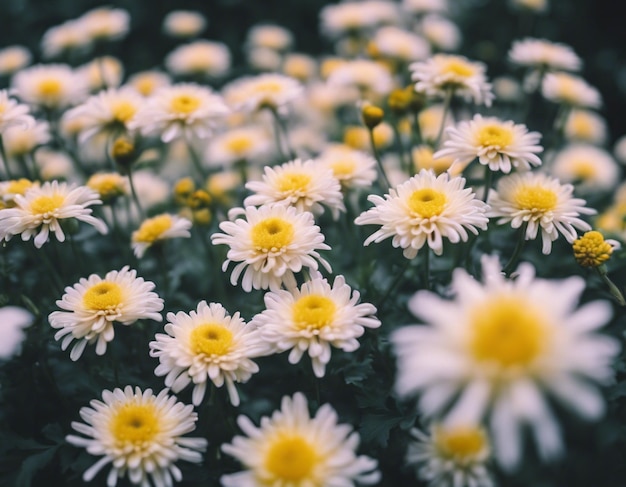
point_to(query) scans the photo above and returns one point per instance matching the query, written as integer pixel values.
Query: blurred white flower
(13, 320)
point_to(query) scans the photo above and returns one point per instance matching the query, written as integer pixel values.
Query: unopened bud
(372, 115)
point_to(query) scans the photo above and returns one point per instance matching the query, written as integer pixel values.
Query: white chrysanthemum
(501, 145)
(271, 244)
(451, 456)
(507, 89)
(269, 36)
(200, 57)
(441, 32)
(11, 188)
(300, 66)
(184, 23)
(307, 185)
(262, 59)
(366, 75)
(314, 319)
(207, 345)
(13, 320)
(269, 90)
(13, 113)
(400, 44)
(353, 168)
(423, 211)
(93, 304)
(541, 203)
(494, 350)
(140, 435)
(40, 211)
(13, 58)
(51, 86)
(146, 83)
(585, 126)
(180, 110)
(292, 449)
(569, 89)
(587, 166)
(252, 144)
(430, 120)
(103, 72)
(105, 23)
(158, 228)
(55, 164)
(108, 111)
(337, 20)
(70, 37)
(544, 55)
(619, 149)
(109, 185)
(444, 73)
(22, 140)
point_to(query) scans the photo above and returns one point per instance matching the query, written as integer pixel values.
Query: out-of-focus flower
(534, 6)
(102, 72)
(22, 140)
(545, 55)
(441, 32)
(585, 126)
(270, 90)
(588, 167)
(156, 229)
(184, 23)
(13, 320)
(109, 186)
(369, 77)
(507, 89)
(252, 144)
(269, 36)
(14, 58)
(571, 90)
(353, 168)
(420, 7)
(68, 38)
(199, 58)
(401, 45)
(146, 83)
(13, 113)
(423, 158)
(105, 23)
(300, 66)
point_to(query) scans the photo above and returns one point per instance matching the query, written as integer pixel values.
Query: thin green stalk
(133, 192)
(426, 268)
(487, 183)
(77, 254)
(195, 159)
(613, 289)
(282, 135)
(394, 284)
(5, 160)
(378, 161)
(404, 157)
(519, 246)
(447, 101)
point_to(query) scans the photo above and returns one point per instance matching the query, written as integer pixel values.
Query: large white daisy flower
(494, 350)
(268, 90)
(425, 210)
(42, 207)
(499, 144)
(270, 244)
(207, 345)
(93, 304)
(306, 185)
(139, 434)
(315, 318)
(444, 73)
(183, 109)
(158, 228)
(292, 449)
(540, 202)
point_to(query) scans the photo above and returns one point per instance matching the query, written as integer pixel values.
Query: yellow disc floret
(152, 229)
(185, 104)
(460, 444)
(535, 198)
(45, 205)
(211, 339)
(291, 459)
(135, 425)
(494, 135)
(294, 182)
(272, 234)
(103, 296)
(427, 202)
(591, 250)
(313, 311)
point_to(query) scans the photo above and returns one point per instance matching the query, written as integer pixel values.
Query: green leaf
(32, 465)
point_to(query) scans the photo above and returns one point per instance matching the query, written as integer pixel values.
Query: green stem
(281, 134)
(195, 159)
(447, 101)
(521, 241)
(5, 160)
(394, 284)
(487, 183)
(133, 192)
(614, 290)
(404, 157)
(426, 268)
(378, 161)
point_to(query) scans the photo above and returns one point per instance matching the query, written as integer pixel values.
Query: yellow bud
(591, 250)
(372, 115)
(399, 101)
(199, 199)
(123, 151)
(202, 216)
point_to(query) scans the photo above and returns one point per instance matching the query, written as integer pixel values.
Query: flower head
(202, 57)
(293, 449)
(140, 434)
(424, 210)
(592, 250)
(268, 90)
(184, 23)
(13, 113)
(270, 244)
(158, 228)
(353, 168)
(93, 305)
(588, 167)
(313, 318)
(13, 320)
(543, 54)
(570, 90)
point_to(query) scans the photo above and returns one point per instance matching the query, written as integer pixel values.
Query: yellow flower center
(313, 311)
(103, 296)
(427, 202)
(269, 87)
(591, 250)
(343, 167)
(123, 111)
(461, 442)
(568, 89)
(50, 87)
(19, 186)
(581, 125)
(238, 145)
(145, 85)
(211, 339)
(583, 169)
(291, 459)
(185, 104)
(293, 182)
(494, 135)
(458, 67)
(46, 204)
(152, 229)
(135, 424)
(507, 331)
(535, 198)
(272, 234)
(107, 185)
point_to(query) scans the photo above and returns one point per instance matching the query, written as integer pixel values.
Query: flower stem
(5, 160)
(133, 192)
(426, 269)
(613, 289)
(446, 108)
(487, 182)
(378, 160)
(195, 159)
(521, 241)
(394, 284)
(282, 136)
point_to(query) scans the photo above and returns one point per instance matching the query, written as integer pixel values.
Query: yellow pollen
(313, 311)
(459, 68)
(46, 204)
(103, 296)
(535, 198)
(152, 229)
(343, 167)
(507, 331)
(185, 104)
(427, 202)
(19, 186)
(123, 111)
(135, 425)
(272, 234)
(238, 145)
(293, 182)
(291, 459)
(211, 339)
(494, 135)
(591, 250)
(50, 87)
(460, 443)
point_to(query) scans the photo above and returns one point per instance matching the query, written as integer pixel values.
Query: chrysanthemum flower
(292, 449)
(42, 208)
(207, 345)
(423, 158)
(105, 23)
(92, 305)
(542, 54)
(146, 83)
(13, 113)
(337, 20)
(499, 144)
(14, 319)
(102, 72)
(497, 347)
(140, 435)
(158, 228)
(269, 36)
(202, 57)
(109, 185)
(589, 167)
(70, 37)
(585, 126)
(425, 6)
(423, 211)
(368, 76)
(541, 203)
(184, 23)
(399, 44)
(592, 250)
(444, 73)
(268, 90)
(270, 244)
(9, 189)
(248, 143)
(352, 168)
(315, 318)
(22, 140)
(443, 33)
(13, 58)
(571, 90)
(183, 109)
(454, 456)
(306, 185)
